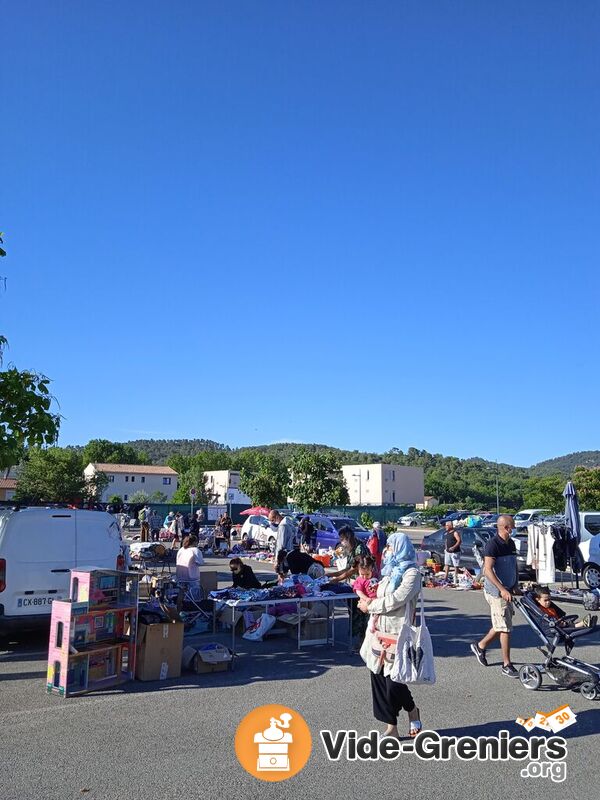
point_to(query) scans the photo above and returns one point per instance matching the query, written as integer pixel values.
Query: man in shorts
(501, 582)
(452, 550)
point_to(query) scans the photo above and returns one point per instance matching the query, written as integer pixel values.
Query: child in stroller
(553, 631)
(543, 599)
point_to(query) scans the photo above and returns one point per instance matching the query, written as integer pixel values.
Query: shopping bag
(262, 625)
(414, 661)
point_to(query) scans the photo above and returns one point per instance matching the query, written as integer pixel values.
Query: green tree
(158, 497)
(139, 497)
(26, 417)
(192, 478)
(56, 475)
(366, 520)
(102, 451)
(265, 480)
(115, 500)
(587, 483)
(545, 492)
(317, 480)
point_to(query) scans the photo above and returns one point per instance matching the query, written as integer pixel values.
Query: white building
(382, 484)
(127, 479)
(223, 486)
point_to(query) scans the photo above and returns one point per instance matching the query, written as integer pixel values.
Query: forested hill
(160, 450)
(564, 465)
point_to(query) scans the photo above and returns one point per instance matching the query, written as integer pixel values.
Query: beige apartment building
(223, 486)
(127, 479)
(383, 484)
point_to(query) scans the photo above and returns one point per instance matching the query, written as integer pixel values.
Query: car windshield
(340, 522)
(520, 517)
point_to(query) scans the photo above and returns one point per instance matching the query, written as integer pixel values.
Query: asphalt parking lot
(175, 738)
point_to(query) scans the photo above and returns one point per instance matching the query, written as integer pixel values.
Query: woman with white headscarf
(395, 603)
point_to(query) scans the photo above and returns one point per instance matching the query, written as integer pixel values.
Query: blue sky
(363, 224)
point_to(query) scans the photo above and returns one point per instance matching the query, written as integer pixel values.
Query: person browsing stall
(353, 550)
(243, 575)
(188, 563)
(300, 563)
(500, 583)
(453, 543)
(393, 607)
(286, 534)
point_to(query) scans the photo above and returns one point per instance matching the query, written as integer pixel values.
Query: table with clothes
(294, 593)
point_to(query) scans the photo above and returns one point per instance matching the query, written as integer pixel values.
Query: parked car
(454, 516)
(489, 519)
(589, 547)
(327, 529)
(435, 542)
(39, 547)
(413, 519)
(258, 528)
(528, 515)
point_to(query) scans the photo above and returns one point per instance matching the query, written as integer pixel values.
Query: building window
(111, 478)
(124, 497)
(393, 497)
(393, 474)
(143, 479)
(126, 478)
(367, 474)
(132, 478)
(166, 481)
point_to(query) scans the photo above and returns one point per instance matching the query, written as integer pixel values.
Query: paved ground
(175, 739)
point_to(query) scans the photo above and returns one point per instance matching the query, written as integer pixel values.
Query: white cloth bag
(414, 661)
(262, 626)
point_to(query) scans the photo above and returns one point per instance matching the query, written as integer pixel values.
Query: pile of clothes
(294, 587)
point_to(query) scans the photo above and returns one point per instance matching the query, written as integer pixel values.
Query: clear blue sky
(363, 224)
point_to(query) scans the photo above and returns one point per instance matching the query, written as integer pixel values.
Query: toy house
(92, 635)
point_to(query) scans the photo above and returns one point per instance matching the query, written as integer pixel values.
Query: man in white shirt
(286, 535)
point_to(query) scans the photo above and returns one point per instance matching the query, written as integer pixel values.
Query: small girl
(365, 586)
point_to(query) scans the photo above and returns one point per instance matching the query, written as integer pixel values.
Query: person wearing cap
(376, 543)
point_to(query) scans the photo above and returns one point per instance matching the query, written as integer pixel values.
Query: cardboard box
(159, 649)
(209, 581)
(212, 660)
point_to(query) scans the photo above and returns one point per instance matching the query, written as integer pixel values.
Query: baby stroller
(566, 671)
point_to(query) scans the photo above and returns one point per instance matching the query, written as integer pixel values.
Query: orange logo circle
(273, 743)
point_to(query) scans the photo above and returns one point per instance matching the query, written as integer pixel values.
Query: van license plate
(32, 601)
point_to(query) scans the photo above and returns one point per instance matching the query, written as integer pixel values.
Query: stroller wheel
(530, 676)
(589, 690)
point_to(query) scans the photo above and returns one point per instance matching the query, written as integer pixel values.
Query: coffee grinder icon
(273, 746)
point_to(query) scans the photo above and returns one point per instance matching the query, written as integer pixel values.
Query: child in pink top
(365, 586)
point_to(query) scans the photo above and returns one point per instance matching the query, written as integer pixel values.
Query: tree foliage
(56, 475)
(545, 492)
(102, 451)
(192, 478)
(26, 416)
(265, 479)
(587, 482)
(317, 480)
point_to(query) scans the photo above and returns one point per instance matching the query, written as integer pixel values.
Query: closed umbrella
(573, 524)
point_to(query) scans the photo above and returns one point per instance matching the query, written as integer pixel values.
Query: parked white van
(590, 547)
(38, 548)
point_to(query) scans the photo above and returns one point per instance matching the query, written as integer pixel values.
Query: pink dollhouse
(92, 635)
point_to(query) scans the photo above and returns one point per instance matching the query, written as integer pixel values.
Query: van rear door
(39, 549)
(98, 540)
